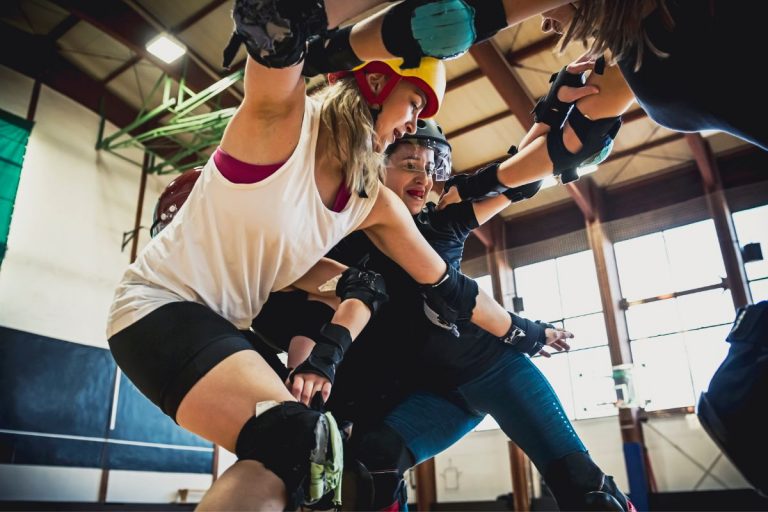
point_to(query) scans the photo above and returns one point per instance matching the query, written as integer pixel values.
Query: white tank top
(230, 245)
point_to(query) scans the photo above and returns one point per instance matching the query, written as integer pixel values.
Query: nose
(410, 126)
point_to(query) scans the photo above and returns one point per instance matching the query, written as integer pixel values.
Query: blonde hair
(615, 25)
(346, 115)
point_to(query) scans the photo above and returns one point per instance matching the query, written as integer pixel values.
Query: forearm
(323, 271)
(490, 316)
(486, 209)
(352, 314)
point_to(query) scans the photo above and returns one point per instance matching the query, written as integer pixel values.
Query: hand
(448, 198)
(303, 386)
(556, 338)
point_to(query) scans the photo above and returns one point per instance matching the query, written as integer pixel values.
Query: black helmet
(430, 135)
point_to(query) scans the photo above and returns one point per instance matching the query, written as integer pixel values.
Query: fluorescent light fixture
(166, 48)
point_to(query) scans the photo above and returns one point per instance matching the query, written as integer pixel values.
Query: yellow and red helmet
(429, 77)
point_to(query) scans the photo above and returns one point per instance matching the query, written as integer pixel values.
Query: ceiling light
(165, 48)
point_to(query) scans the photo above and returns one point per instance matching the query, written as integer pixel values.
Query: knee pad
(299, 445)
(596, 139)
(386, 457)
(578, 484)
(428, 28)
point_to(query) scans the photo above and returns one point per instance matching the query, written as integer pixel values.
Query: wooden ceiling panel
(210, 35)
(171, 12)
(468, 104)
(460, 66)
(480, 146)
(32, 16)
(97, 53)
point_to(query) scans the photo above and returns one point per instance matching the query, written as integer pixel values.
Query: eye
(410, 166)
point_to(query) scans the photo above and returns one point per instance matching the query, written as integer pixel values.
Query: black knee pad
(300, 445)
(386, 457)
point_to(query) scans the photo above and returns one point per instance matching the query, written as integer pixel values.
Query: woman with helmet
(292, 176)
(427, 390)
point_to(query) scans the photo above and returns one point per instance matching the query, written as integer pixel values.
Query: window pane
(694, 255)
(643, 267)
(593, 390)
(579, 290)
(706, 350)
(537, 285)
(653, 318)
(662, 376)
(705, 308)
(556, 370)
(752, 226)
(485, 283)
(589, 331)
(759, 290)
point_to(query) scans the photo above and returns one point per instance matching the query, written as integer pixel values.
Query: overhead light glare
(166, 48)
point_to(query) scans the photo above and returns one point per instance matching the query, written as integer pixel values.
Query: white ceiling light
(165, 48)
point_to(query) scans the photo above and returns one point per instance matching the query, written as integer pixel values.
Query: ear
(376, 81)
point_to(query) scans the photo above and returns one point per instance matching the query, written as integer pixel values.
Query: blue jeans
(514, 392)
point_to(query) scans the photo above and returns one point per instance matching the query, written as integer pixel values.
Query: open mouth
(415, 193)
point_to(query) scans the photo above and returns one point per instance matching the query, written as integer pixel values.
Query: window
(564, 291)
(677, 342)
(752, 227)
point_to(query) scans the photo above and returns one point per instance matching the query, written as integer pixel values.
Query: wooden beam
(493, 64)
(63, 27)
(119, 70)
(723, 220)
(197, 16)
(426, 485)
(478, 124)
(513, 57)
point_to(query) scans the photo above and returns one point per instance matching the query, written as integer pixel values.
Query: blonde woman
(292, 176)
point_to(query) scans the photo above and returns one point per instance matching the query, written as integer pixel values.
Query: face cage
(443, 161)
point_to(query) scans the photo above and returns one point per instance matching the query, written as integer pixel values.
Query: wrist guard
(525, 335)
(328, 352)
(481, 184)
(526, 191)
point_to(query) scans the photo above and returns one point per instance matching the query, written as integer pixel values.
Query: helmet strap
(370, 96)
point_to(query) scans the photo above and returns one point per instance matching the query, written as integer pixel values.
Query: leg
(536, 421)
(420, 427)
(204, 374)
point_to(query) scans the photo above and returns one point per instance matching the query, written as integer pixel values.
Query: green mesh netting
(14, 134)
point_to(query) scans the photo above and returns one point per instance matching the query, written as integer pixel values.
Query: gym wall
(61, 417)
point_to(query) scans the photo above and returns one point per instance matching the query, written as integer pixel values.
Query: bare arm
(266, 127)
(486, 209)
(391, 228)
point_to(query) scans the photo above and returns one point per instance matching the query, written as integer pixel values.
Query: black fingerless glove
(526, 335)
(526, 191)
(328, 352)
(365, 285)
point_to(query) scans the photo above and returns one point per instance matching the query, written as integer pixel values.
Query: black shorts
(165, 353)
